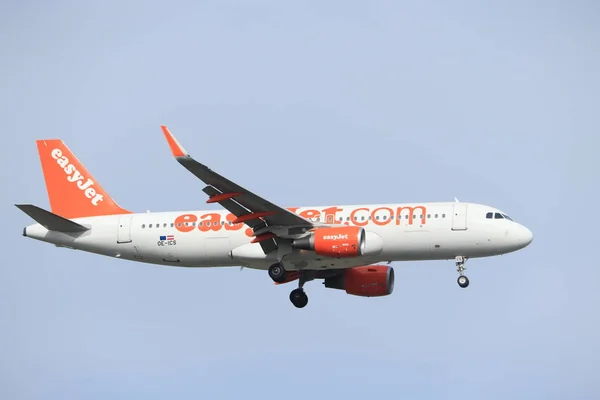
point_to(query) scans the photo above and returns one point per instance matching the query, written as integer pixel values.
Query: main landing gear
(277, 273)
(462, 280)
(298, 297)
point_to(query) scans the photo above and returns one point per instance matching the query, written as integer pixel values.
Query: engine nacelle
(367, 281)
(338, 242)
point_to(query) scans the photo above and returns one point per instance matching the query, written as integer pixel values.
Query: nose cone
(523, 236)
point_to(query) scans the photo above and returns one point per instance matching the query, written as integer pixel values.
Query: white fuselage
(419, 231)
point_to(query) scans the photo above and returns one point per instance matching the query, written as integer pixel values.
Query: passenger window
(489, 215)
(428, 215)
(143, 226)
(150, 226)
(443, 215)
(436, 215)
(172, 224)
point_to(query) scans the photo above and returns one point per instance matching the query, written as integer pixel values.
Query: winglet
(176, 148)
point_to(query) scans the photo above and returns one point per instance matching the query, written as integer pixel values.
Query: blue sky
(397, 102)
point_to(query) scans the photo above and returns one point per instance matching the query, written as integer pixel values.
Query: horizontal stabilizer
(51, 221)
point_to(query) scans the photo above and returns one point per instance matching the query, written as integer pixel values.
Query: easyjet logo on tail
(74, 175)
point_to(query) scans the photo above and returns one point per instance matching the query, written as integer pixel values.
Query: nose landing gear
(462, 280)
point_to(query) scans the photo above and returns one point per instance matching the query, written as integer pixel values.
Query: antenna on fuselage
(455, 199)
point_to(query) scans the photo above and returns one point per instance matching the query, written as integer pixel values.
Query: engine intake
(366, 281)
(346, 241)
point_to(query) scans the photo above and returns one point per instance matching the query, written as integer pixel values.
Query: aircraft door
(459, 217)
(124, 229)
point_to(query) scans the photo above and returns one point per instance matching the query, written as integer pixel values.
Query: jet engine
(366, 281)
(338, 242)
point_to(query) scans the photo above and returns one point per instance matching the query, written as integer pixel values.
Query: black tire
(277, 273)
(463, 281)
(298, 298)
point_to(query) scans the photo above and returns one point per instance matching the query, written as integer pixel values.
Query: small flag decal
(167, 237)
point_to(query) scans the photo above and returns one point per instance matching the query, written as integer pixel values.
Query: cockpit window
(492, 215)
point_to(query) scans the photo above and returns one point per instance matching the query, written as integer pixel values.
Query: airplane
(349, 247)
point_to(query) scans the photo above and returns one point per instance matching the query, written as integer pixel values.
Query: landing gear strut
(462, 280)
(298, 297)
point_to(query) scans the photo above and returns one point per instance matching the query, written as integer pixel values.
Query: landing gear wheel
(298, 298)
(462, 280)
(277, 273)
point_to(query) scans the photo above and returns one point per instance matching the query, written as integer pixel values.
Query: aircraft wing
(249, 208)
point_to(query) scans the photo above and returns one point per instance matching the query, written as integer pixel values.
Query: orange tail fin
(72, 190)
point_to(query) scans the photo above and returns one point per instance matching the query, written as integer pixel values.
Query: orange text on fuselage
(360, 216)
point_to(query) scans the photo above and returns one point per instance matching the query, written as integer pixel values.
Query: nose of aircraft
(524, 236)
